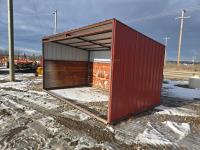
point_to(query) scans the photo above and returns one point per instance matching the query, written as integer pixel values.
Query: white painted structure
(194, 82)
(54, 51)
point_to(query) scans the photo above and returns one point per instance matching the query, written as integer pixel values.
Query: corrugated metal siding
(54, 51)
(137, 65)
(101, 56)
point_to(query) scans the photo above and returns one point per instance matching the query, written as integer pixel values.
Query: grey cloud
(155, 18)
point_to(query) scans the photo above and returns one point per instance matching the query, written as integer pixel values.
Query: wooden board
(65, 73)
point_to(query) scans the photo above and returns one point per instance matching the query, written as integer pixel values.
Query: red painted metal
(134, 77)
(136, 73)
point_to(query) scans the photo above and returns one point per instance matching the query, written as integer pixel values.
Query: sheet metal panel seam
(111, 70)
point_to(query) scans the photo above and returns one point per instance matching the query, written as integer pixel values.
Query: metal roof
(93, 37)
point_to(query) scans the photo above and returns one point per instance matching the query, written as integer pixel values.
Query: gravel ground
(32, 119)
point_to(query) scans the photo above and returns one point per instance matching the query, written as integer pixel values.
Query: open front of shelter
(107, 70)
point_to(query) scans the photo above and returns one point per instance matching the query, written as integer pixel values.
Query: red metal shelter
(107, 55)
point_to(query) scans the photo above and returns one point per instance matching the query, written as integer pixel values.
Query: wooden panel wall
(65, 73)
(99, 75)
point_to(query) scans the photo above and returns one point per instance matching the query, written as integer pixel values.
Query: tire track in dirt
(97, 132)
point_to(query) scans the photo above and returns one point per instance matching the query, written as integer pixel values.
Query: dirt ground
(182, 67)
(32, 119)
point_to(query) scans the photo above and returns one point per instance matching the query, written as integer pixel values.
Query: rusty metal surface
(99, 74)
(137, 67)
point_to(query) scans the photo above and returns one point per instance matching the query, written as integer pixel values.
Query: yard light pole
(181, 33)
(55, 21)
(11, 40)
(193, 60)
(166, 42)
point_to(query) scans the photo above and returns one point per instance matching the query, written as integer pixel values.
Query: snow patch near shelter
(76, 114)
(82, 94)
(179, 111)
(171, 90)
(151, 136)
(182, 129)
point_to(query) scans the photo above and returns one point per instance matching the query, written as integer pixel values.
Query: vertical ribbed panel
(54, 51)
(100, 56)
(137, 65)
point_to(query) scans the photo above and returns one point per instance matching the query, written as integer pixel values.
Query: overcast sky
(155, 18)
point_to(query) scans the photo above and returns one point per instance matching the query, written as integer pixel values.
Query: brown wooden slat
(65, 73)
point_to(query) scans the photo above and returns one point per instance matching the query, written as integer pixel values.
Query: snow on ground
(179, 111)
(76, 114)
(82, 94)
(154, 133)
(33, 119)
(172, 90)
(23, 81)
(182, 129)
(18, 76)
(30, 118)
(151, 136)
(155, 136)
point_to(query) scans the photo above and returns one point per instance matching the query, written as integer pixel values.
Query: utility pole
(166, 42)
(11, 40)
(55, 20)
(181, 33)
(193, 60)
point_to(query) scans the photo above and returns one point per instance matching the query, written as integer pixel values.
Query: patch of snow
(76, 114)
(182, 129)
(18, 76)
(108, 146)
(37, 92)
(185, 93)
(43, 102)
(38, 80)
(127, 131)
(40, 100)
(152, 136)
(110, 128)
(179, 111)
(85, 142)
(48, 122)
(82, 94)
(30, 112)
(2, 106)
(1, 121)
(15, 85)
(15, 104)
